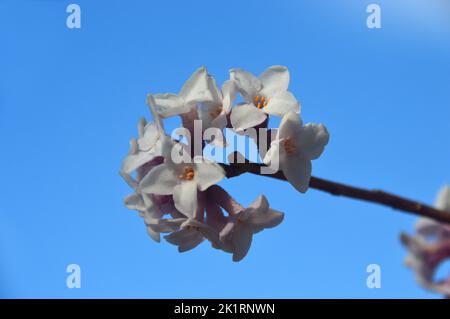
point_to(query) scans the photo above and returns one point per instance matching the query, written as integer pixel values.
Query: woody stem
(339, 189)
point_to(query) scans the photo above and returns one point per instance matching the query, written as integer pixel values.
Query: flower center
(216, 112)
(187, 174)
(289, 146)
(260, 101)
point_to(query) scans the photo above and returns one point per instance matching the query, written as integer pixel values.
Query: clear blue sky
(70, 101)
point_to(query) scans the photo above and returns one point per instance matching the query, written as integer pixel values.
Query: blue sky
(70, 101)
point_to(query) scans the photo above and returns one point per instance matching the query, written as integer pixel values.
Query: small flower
(199, 88)
(430, 247)
(267, 94)
(182, 180)
(241, 227)
(294, 148)
(424, 260)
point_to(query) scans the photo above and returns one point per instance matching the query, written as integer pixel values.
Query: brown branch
(338, 189)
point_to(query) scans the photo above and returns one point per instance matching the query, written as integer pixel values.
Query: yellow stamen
(188, 173)
(260, 101)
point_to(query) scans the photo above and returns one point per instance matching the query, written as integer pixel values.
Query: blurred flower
(294, 148)
(267, 94)
(430, 247)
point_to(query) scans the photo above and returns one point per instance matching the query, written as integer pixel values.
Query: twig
(338, 189)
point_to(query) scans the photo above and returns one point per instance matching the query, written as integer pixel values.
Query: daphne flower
(294, 148)
(424, 260)
(182, 180)
(199, 88)
(267, 94)
(429, 247)
(240, 229)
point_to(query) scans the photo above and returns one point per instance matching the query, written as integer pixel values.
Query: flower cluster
(175, 188)
(430, 247)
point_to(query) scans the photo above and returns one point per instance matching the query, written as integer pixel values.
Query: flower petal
(245, 116)
(185, 198)
(192, 243)
(246, 83)
(150, 136)
(272, 157)
(264, 219)
(242, 240)
(134, 161)
(297, 171)
(185, 239)
(207, 173)
(153, 234)
(312, 140)
(443, 199)
(290, 126)
(207, 112)
(275, 79)
(141, 125)
(281, 103)
(160, 180)
(153, 110)
(135, 202)
(200, 87)
(169, 104)
(207, 231)
(228, 95)
(165, 225)
(427, 227)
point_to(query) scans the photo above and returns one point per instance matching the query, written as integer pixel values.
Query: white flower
(199, 88)
(182, 180)
(242, 226)
(424, 260)
(294, 148)
(267, 94)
